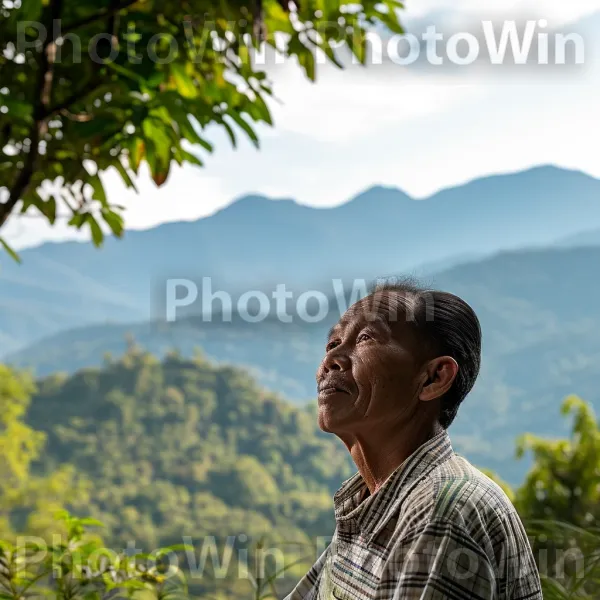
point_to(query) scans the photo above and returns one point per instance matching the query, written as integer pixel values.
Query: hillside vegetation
(182, 448)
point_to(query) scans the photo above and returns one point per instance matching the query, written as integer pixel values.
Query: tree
(89, 85)
(246, 483)
(27, 501)
(564, 482)
(560, 505)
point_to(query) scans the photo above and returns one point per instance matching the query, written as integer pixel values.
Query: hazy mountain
(583, 238)
(256, 243)
(541, 324)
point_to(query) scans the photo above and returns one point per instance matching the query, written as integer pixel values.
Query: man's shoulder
(458, 486)
(458, 492)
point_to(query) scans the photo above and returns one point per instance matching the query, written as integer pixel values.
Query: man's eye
(331, 345)
(363, 336)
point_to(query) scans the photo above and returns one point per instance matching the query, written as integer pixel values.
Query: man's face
(371, 375)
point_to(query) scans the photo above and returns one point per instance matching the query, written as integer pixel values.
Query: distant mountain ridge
(584, 238)
(541, 342)
(256, 243)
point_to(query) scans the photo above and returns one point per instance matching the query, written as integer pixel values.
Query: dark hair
(448, 326)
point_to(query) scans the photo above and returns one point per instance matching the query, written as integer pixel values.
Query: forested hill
(180, 447)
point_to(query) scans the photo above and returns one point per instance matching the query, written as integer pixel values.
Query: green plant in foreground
(77, 565)
(569, 559)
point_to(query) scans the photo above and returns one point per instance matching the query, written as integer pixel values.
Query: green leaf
(259, 110)
(150, 154)
(390, 18)
(191, 135)
(155, 80)
(9, 250)
(48, 209)
(161, 175)
(307, 61)
(124, 175)
(98, 187)
(114, 221)
(330, 53)
(97, 234)
(136, 154)
(191, 158)
(158, 149)
(77, 220)
(306, 57)
(358, 44)
(237, 117)
(184, 83)
(263, 109)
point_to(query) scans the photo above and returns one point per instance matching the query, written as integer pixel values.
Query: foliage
(27, 502)
(77, 565)
(559, 502)
(182, 448)
(564, 483)
(569, 559)
(125, 82)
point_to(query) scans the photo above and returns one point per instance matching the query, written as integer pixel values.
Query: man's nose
(335, 361)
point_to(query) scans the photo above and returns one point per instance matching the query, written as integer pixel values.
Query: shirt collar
(371, 515)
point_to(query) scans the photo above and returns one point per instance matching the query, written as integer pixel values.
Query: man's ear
(439, 377)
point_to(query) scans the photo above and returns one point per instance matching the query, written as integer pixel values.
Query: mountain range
(257, 243)
(540, 320)
(68, 304)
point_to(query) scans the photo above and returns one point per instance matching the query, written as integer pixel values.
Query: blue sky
(414, 129)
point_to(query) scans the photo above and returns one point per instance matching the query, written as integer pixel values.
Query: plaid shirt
(437, 529)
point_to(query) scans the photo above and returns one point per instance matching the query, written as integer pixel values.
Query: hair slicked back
(447, 326)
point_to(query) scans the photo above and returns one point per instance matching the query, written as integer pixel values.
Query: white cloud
(188, 191)
(417, 130)
(557, 11)
(349, 104)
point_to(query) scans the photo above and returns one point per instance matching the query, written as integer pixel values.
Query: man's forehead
(354, 317)
(383, 307)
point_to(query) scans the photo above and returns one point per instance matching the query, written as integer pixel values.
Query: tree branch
(86, 90)
(42, 88)
(258, 24)
(109, 12)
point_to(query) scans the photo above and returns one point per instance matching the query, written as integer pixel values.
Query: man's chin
(325, 425)
(330, 421)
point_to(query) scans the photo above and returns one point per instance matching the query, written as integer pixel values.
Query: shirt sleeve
(522, 576)
(441, 561)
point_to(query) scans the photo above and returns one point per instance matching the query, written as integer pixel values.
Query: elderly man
(417, 521)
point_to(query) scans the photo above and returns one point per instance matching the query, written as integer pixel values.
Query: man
(416, 521)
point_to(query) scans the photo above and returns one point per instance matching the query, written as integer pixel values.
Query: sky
(417, 128)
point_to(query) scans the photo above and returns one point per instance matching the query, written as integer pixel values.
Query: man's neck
(377, 454)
